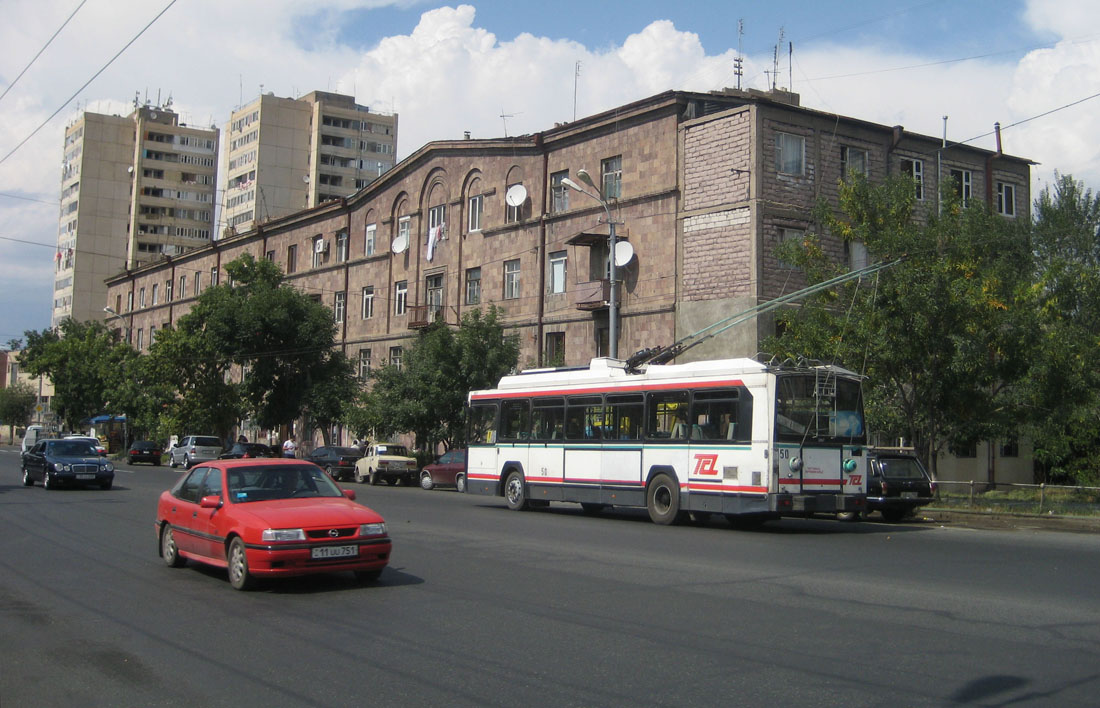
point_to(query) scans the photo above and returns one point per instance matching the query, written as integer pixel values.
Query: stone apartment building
(703, 186)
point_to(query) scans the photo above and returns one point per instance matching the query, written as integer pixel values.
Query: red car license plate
(333, 552)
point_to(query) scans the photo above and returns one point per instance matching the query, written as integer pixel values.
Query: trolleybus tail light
(796, 464)
(850, 465)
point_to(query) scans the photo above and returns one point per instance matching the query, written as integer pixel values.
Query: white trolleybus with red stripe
(737, 437)
(751, 440)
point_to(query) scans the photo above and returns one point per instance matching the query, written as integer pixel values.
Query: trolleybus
(737, 437)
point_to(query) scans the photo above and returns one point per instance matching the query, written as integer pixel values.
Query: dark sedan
(339, 462)
(144, 451)
(57, 462)
(246, 450)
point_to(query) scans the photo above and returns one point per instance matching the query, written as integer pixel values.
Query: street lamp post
(115, 316)
(613, 296)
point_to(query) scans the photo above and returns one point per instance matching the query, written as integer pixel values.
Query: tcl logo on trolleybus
(705, 464)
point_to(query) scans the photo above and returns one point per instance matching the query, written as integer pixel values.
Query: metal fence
(1020, 498)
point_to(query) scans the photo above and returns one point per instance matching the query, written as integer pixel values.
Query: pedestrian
(289, 447)
(242, 439)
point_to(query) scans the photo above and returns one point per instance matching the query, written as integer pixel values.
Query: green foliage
(427, 395)
(85, 363)
(16, 405)
(945, 337)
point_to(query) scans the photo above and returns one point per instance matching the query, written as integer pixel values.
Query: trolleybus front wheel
(515, 492)
(663, 500)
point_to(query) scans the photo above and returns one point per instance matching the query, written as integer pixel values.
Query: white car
(386, 461)
(102, 451)
(194, 449)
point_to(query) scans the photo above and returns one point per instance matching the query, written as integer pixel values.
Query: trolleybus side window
(717, 415)
(584, 416)
(548, 419)
(667, 416)
(482, 424)
(515, 419)
(627, 411)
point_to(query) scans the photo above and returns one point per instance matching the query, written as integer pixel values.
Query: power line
(51, 39)
(28, 199)
(86, 83)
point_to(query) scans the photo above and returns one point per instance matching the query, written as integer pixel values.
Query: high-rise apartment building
(286, 154)
(133, 189)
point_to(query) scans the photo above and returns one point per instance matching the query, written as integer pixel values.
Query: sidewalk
(986, 520)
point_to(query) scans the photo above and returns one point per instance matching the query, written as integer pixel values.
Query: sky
(497, 68)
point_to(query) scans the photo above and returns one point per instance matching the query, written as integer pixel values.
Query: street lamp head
(109, 311)
(583, 176)
(571, 184)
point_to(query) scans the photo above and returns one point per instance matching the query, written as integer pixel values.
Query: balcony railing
(593, 295)
(420, 316)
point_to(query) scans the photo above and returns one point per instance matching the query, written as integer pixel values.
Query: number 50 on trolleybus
(737, 437)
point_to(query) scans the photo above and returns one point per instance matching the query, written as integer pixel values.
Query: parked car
(897, 485)
(246, 450)
(56, 462)
(266, 518)
(386, 461)
(449, 469)
(339, 462)
(100, 450)
(193, 449)
(144, 451)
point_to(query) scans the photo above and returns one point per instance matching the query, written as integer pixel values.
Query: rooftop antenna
(504, 117)
(775, 59)
(739, 61)
(576, 75)
(790, 66)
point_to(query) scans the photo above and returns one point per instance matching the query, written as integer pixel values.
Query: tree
(945, 336)
(427, 395)
(84, 362)
(16, 406)
(328, 398)
(1063, 398)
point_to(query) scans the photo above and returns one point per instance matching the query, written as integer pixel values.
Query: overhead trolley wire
(48, 41)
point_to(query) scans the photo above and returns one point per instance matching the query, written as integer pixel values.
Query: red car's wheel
(239, 577)
(168, 549)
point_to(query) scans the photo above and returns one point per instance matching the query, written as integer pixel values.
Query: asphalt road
(487, 607)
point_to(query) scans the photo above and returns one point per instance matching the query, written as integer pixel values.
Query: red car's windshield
(261, 483)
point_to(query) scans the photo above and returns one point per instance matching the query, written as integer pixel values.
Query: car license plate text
(908, 495)
(85, 476)
(334, 552)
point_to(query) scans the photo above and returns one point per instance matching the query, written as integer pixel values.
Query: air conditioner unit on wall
(320, 246)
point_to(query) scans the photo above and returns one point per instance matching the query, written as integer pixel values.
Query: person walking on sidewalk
(289, 447)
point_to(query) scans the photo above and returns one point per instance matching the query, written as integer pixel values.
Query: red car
(449, 470)
(266, 518)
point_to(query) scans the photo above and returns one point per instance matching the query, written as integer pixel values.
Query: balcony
(593, 295)
(420, 316)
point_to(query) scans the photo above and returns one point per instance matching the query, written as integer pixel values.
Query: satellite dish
(153, 115)
(305, 178)
(400, 244)
(516, 195)
(624, 253)
(130, 170)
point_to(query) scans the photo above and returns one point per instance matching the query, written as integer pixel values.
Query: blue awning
(107, 418)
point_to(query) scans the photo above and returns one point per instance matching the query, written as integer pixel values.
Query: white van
(31, 436)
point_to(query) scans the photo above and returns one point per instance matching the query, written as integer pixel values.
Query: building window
(141, 298)
(130, 301)
(559, 193)
(364, 364)
(854, 160)
(1010, 448)
(790, 154)
(599, 265)
(270, 255)
(915, 170)
(963, 184)
(140, 338)
(433, 288)
(168, 290)
(555, 349)
(372, 232)
(1006, 199)
(291, 258)
(213, 276)
(400, 297)
(403, 229)
(183, 286)
(198, 283)
(342, 247)
(856, 252)
(557, 271)
(473, 286)
(966, 450)
(152, 334)
(318, 248)
(368, 302)
(156, 290)
(785, 236)
(339, 302)
(477, 204)
(395, 356)
(118, 303)
(611, 177)
(511, 279)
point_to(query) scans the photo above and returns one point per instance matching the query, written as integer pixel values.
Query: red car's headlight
(284, 535)
(372, 529)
